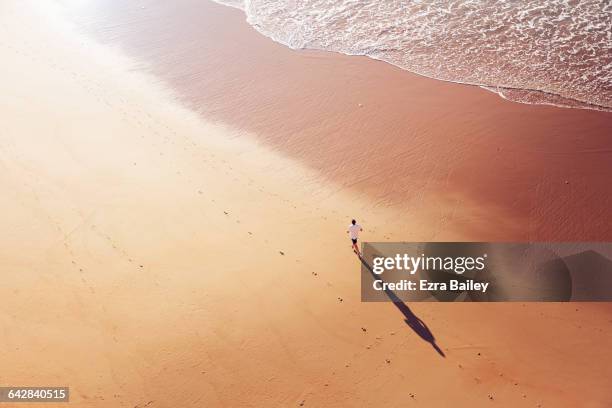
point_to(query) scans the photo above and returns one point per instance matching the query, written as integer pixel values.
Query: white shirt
(354, 230)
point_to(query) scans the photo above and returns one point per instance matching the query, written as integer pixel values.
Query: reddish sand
(492, 169)
(153, 259)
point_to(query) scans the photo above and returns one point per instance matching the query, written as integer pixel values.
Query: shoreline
(547, 97)
(424, 147)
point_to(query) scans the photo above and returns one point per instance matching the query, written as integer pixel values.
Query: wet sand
(457, 156)
(153, 258)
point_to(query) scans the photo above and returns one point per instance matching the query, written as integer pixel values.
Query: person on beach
(353, 230)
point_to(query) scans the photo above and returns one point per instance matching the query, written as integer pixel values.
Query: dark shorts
(354, 240)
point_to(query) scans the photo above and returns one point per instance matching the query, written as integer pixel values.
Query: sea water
(544, 52)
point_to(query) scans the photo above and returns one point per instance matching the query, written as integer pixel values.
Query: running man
(353, 230)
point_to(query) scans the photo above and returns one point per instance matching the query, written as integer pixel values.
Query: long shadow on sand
(412, 320)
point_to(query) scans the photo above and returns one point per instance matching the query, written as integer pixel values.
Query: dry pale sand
(142, 266)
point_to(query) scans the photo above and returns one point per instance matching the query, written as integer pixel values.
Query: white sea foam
(552, 52)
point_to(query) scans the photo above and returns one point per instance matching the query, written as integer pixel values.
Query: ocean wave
(556, 52)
